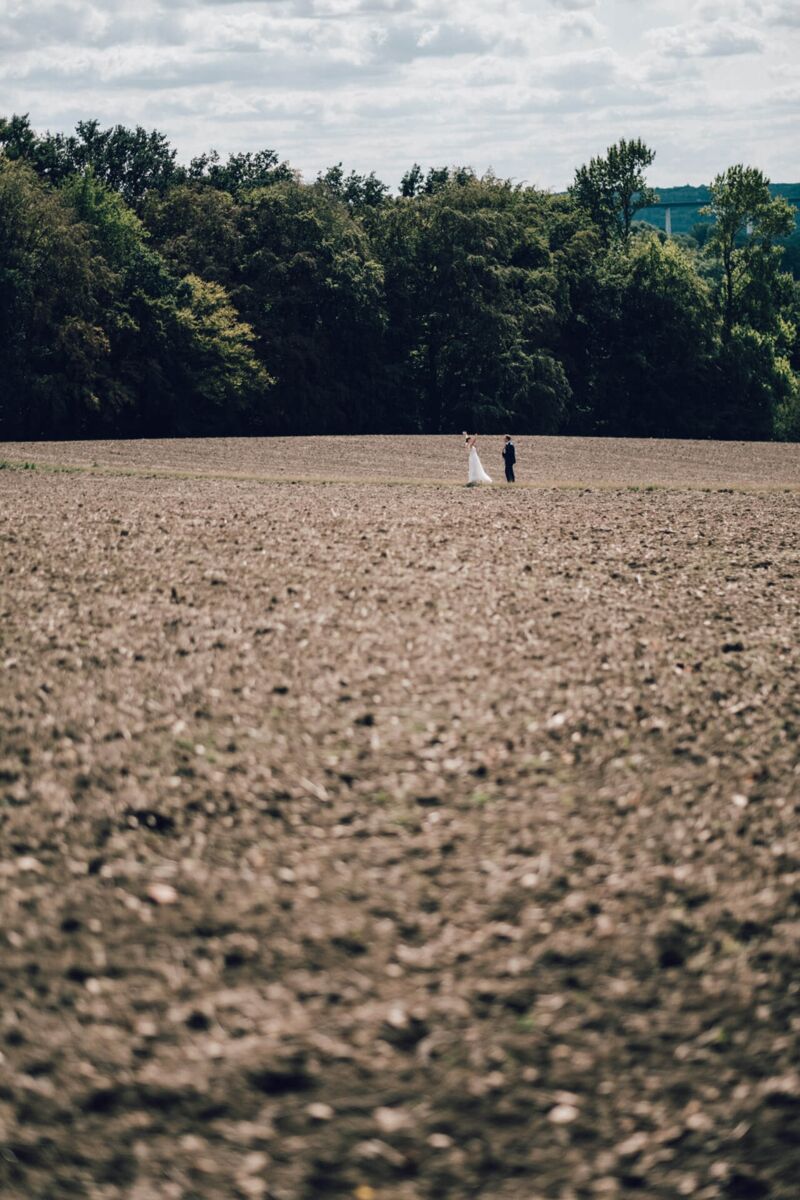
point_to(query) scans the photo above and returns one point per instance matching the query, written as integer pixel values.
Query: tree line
(142, 297)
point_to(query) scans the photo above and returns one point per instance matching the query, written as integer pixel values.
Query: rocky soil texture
(399, 842)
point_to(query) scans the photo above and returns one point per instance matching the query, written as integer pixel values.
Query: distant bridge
(670, 204)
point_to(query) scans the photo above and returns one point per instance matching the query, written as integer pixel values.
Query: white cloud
(785, 12)
(715, 39)
(532, 87)
(588, 70)
(573, 5)
(580, 25)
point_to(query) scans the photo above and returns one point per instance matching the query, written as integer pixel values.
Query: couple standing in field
(476, 473)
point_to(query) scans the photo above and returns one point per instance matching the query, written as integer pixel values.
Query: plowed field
(365, 836)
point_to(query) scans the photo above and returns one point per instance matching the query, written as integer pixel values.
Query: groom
(509, 458)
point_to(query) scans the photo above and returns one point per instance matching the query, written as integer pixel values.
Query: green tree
(786, 424)
(755, 388)
(650, 327)
(576, 250)
(76, 277)
(197, 230)
(135, 278)
(240, 172)
(472, 301)
(359, 192)
(756, 300)
(416, 183)
(747, 223)
(209, 360)
(612, 189)
(309, 284)
(53, 347)
(180, 359)
(132, 162)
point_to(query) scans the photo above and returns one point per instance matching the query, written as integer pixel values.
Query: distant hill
(685, 204)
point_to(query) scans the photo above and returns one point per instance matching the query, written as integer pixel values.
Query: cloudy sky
(530, 88)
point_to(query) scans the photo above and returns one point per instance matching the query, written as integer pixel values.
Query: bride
(476, 471)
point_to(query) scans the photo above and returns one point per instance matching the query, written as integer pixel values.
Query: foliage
(240, 173)
(212, 360)
(756, 391)
(359, 192)
(307, 281)
(139, 296)
(129, 161)
(651, 334)
(473, 309)
(96, 333)
(745, 212)
(416, 183)
(612, 189)
(755, 299)
(52, 344)
(196, 229)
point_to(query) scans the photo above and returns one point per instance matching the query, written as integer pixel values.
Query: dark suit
(509, 458)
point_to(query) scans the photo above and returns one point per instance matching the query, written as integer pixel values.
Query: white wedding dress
(476, 471)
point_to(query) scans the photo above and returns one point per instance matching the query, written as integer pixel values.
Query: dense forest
(143, 297)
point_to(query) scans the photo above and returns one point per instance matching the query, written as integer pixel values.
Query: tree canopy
(613, 188)
(139, 296)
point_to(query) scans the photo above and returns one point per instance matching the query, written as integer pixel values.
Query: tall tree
(181, 359)
(416, 183)
(240, 172)
(309, 283)
(473, 310)
(747, 222)
(652, 343)
(359, 192)
(196, 229)
(613, 188)
(53, 348)
(756, 386)
(132, 162)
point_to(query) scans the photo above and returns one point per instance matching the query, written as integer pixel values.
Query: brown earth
(543, 461)
(399, 843)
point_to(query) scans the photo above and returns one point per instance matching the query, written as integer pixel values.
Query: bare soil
(399, 842)
(542, 461)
